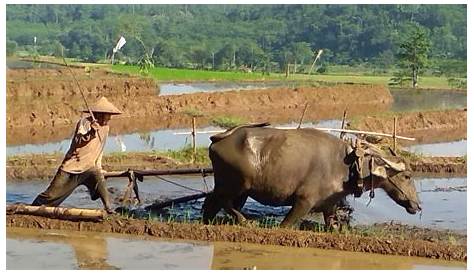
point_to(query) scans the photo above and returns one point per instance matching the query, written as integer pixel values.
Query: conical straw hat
(103, 105)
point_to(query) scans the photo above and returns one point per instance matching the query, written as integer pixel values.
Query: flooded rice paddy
(159, 140)
(86, 250)
(404, 100)
(443, 201)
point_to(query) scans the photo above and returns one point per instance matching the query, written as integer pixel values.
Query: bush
(457, 83)
(228, 121)
(11, 47)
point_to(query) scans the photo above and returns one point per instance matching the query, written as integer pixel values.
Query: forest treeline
(234, 36)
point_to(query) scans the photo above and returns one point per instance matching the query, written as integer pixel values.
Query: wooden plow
(137, 175)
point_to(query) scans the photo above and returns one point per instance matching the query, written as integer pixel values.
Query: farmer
(82, 163)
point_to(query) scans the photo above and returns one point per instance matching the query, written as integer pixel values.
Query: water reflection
(456, 148)
(176, 89)
(52, 249)
(443, 200)
(409, 100)
(79, 250)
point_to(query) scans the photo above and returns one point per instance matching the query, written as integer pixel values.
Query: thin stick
(394, 133)
(80, 89)
(318, 128)
(194, 138)
(154, 172)
(343, 123)
(83, 97)
(302, 115)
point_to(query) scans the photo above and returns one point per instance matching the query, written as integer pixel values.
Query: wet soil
(44, 166)
(43, 104)
(91, 250)
(382, 244)
(440, 165)
(426, 127)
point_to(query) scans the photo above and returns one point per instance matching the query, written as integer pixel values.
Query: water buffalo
(307, 169)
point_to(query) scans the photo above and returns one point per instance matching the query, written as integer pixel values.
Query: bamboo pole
(315, 59)
(394, 134)
(343, 124)
(154, 172)
(194, 138)
(318, 128)
(302, 115)
(57, 212)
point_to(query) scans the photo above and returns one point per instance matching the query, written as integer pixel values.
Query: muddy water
(443, 201)
(160, 140)
(409, 100)
(457, 148)
(176, 89)
(13, 63)
(50, 249)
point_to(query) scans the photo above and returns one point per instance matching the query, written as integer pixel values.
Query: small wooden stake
(194, 138)
(302, 115)
(343, 124)
(395, 134)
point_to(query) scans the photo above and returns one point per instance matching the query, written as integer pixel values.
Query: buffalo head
(390, 173)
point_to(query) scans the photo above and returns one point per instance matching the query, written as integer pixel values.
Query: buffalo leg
(210, 208)
(229, 208)
(329, 214)
(300, 208)
(240, 202)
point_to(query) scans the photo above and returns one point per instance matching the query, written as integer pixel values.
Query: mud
(42, 104)
(284, 237)
(439, 165)
(44, 166)
(426, 127)
(90, 250)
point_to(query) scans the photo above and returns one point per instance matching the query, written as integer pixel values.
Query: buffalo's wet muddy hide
(306, 169)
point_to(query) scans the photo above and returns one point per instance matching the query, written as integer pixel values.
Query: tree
(413, 53)
(11, 47)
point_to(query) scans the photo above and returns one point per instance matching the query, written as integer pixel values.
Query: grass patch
(170, 74)
(185, 155)
(193, 112)
(228, 121)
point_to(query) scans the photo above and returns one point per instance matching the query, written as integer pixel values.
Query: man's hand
(95, 125)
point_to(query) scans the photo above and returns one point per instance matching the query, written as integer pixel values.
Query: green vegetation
(185, 155)
(412, 56)
(263, 39)
(170, 74)
(228, 121)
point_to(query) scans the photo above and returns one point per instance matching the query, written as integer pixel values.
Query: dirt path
(44, 166)
(382, 244)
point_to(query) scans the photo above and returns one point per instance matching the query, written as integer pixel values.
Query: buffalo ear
(380, 171)
(396, 166)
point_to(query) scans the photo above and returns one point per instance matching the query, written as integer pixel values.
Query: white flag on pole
(120, 44)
